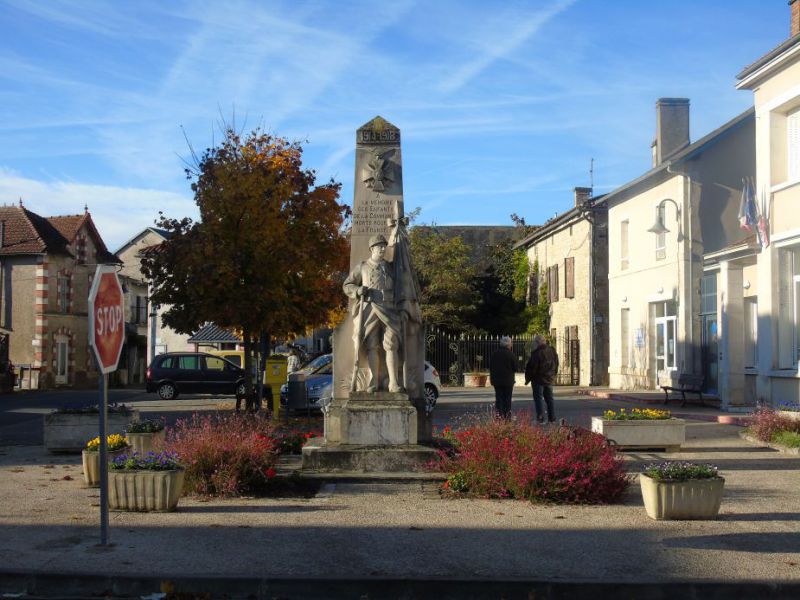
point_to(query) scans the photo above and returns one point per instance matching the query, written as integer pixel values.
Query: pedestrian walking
(502, 370)
(541, 371)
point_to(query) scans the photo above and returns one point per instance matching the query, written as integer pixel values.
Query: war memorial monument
(377, 418)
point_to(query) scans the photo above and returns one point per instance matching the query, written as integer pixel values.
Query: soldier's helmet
(377, 239)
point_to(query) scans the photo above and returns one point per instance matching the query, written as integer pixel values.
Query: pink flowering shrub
(514, 459)
(225, 455)
(767, 423)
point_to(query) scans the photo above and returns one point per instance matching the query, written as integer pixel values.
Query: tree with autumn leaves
(269, 251)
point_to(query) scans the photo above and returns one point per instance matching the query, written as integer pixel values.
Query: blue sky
(501, 104)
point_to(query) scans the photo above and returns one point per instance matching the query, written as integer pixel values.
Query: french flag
(748, 212)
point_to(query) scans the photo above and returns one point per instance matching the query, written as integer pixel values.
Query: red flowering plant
(292, 442)
(498, 458)
(768, 423)
(225, 455)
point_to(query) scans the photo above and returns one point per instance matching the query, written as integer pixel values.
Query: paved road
(21, 413)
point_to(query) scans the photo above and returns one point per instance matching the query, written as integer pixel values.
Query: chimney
(795, 8)
(582, 194)
(672, 128)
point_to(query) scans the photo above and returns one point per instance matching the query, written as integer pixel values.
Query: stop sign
(106, 318)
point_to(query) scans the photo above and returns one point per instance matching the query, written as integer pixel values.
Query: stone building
(570, 252)
(141, 319)
(46, 270)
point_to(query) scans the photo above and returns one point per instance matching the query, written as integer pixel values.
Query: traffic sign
(106, 318)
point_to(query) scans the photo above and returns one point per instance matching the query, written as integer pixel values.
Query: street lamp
(658, 228)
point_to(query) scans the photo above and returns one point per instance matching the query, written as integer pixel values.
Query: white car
(319, 384)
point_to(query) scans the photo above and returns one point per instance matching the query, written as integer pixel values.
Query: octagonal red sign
(106, 317)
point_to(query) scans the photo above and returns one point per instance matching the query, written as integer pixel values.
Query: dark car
(194, 372)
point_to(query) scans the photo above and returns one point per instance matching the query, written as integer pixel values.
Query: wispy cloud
(118, 212)
(502, 44)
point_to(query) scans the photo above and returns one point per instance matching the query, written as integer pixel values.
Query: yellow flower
(114, 441)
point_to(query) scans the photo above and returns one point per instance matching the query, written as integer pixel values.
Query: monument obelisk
(375, 420)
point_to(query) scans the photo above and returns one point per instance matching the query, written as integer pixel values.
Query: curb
(55, 585)
(755, 441)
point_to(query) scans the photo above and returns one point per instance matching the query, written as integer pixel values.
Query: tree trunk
(248, 370)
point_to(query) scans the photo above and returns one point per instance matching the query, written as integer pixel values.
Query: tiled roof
(28, 233)
(211, 333)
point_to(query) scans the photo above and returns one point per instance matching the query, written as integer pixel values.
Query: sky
(502, 105)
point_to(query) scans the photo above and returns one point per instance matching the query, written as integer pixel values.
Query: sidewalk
(391, 540)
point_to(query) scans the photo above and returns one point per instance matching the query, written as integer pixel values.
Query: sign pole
(106, 336)
(103, 384)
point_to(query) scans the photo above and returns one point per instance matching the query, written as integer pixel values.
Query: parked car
(177, 373)
(319, 384)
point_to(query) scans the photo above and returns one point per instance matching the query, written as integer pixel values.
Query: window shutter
(569, 277)
(555, 283)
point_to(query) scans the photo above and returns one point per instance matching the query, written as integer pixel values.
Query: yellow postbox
(275, 377)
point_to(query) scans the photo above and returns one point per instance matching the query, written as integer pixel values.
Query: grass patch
(790, 439)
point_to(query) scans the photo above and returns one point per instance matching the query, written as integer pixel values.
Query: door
(62, 364)
(189, 377)
(665, 349)
(217, 375)
(710, 351)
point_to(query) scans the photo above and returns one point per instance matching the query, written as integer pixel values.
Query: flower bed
(641, 428)
(66, 430)
(151, 482)
(514, 459)
(768, 424)
(681, 490)
(637, 414)
(146, 435)
(226, 455)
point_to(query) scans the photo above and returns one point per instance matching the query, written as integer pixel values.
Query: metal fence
(455, 354)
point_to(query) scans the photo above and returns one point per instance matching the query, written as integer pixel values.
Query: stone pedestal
(372, 419)
(368, 432)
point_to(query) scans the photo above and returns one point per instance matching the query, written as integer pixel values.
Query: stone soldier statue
(376, 319)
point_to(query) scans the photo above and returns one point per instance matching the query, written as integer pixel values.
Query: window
(63, 293)
(215, 364)
(167, 363)
(750, 332)
(665, 322)
(625, 337)
(569, 277)
(190, 362)
(793, 145)
(62, 351)
(788, 322)
(708, 292)
(661, 238)
(623, 245)
(139, 309)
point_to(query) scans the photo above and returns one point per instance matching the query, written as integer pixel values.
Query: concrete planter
(145, 442)
(144, 491)
(91, 465)
(66, 432)
(790, 414)
(663, 433)
(475, 379)
(693, 499)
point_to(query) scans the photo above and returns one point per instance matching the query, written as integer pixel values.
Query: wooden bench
(687, 384)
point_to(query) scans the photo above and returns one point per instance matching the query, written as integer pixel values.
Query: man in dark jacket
(502, 370)
(541, 370)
